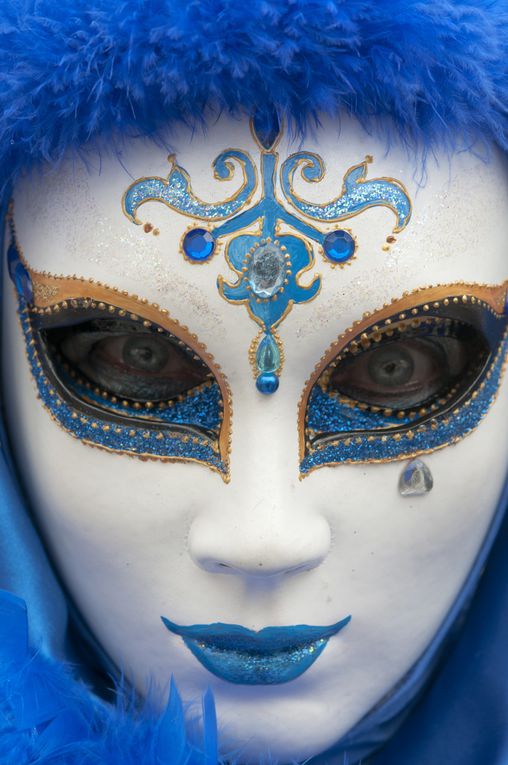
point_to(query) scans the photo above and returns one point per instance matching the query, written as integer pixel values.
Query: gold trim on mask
(399, 310)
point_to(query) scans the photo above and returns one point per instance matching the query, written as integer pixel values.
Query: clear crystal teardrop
(268, 355)
(415, 479)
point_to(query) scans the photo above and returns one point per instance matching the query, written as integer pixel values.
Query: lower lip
(257, 667)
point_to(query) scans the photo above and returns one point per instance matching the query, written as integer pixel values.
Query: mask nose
(263, 543)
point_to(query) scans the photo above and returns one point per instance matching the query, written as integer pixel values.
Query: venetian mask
(256, 395)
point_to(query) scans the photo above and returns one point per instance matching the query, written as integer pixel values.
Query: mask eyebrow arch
(494, 296)
(53, 295)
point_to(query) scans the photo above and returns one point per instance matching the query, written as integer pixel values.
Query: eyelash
(338, 428)
(188, 427)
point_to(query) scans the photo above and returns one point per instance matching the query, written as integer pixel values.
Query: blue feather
(171, 737)
(49, 717)
(209, 729)
(78, 69)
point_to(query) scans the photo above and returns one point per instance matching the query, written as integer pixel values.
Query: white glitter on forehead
(72, 222)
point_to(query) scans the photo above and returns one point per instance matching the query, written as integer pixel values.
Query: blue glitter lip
(272, 656)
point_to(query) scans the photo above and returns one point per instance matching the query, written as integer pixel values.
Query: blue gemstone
(339, 246)
(198, 244)
(12, 259)
(506, 304)
(267, 383)
(266, 127)
(23, 283)
(268, 355)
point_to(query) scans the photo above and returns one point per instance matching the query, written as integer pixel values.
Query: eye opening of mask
(400, 375)
(121, 368)
(182, 413)
(409, 369)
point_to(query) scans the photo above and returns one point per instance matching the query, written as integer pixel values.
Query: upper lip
(238, 638)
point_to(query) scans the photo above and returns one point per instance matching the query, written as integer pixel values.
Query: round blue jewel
(267, 383)
(339, 246)
(506, 304)
(198, 244)
(23, 283)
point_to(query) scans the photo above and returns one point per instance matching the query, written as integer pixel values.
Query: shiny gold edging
(421, 428)
(493, 296)
(47, 287)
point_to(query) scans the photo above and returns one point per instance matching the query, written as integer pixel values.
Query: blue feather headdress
(75, 69)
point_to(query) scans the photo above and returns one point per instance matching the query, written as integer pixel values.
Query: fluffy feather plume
(75, 69)
(50, 718)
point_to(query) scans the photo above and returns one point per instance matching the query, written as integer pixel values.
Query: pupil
(391, 366)
(146, 353)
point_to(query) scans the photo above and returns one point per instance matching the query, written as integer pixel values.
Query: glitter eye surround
(414, 377)
(118, 373)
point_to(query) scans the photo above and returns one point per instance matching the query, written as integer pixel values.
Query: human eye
(412, 378)
(117, 372)
(124, 360)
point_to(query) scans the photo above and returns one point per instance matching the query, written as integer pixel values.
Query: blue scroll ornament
(268, 266)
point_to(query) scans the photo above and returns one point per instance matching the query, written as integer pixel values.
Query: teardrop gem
(415, 479)
(268, 355)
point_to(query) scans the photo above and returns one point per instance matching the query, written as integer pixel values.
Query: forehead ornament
(268, 264)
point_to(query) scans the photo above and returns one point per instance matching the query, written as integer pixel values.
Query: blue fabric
(24, 567)
(75, 69)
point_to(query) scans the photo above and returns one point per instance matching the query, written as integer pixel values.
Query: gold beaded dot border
(56, 293)
(357, 335)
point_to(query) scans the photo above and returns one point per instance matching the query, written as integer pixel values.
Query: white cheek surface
(134, 540)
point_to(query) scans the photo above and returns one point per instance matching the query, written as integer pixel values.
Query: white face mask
(136, 540)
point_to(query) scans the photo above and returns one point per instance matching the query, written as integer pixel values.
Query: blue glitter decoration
(267, 383)
(153, 435)
(198, 244)
(325, 413)
(357, 195)
(199, 408)
(269, 656)
(339, 246)
(175, 191)
(268, 266)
